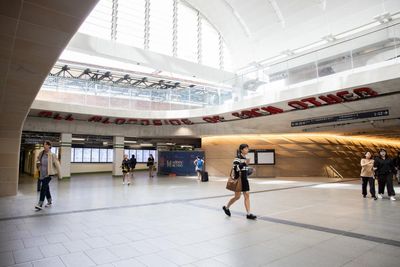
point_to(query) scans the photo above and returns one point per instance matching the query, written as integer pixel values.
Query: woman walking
(383, 165)
(125, 170)
(49, 167)
(240, 171)
(367, 175)
(132, 165)
(150, 164)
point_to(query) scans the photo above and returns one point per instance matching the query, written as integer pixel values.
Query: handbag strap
(233, 177)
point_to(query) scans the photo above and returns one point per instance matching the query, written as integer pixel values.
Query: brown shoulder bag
(233, 184)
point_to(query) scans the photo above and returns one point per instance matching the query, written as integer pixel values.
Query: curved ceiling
(258, 29)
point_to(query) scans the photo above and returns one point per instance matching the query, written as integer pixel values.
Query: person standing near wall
(367, 175)
(240, 171)
(132, 165)
(49, 167)
(150, 164)
(384, 167)
(125, 170)
(199, 164)
(397, 167)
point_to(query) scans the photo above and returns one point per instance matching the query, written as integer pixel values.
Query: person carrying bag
(238, 181)
(234, 184)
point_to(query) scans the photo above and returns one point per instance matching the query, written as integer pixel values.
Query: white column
(118, 146)
(65, 155)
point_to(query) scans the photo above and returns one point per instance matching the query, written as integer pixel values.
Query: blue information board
(178, 162)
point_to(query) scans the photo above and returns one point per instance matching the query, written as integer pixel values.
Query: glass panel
(187, 32)
(78, 155)
(95, 155)
(87, 155)
(110, 155)
(130, 23)
(139, 156)
(209, 45)
(303, 68)
(103, 155)
(145, 155)
(98, 23)
(161, 19)
(374, 48)
(228, 63)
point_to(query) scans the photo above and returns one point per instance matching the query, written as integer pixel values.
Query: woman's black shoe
(251, 216)
(227, 211)
(364, 196)
(375, 198)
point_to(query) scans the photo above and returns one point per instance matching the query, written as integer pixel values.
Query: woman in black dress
(240, 166)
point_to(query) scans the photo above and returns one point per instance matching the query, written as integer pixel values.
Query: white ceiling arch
(258, 29)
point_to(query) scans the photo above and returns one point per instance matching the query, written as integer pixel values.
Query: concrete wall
(301, 155)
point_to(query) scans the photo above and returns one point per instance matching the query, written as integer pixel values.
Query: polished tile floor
(176, 221)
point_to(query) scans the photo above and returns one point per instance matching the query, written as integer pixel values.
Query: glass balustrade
(371, 50)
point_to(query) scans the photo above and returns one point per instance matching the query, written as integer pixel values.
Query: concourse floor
(177, 221)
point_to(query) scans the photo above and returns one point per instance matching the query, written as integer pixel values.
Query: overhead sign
(343, 117)
(300, 104)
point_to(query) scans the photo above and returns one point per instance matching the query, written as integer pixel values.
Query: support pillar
(10, 141)
(118, 146)
(65, 155)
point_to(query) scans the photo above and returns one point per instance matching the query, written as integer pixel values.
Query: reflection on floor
(176, 221)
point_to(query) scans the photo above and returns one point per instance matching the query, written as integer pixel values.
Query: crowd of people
(128, 167)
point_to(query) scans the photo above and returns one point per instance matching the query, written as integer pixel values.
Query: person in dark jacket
(150, 164)
(384, 168)
(125, 170)
(132, 165)
(240, 168)
(397, 167)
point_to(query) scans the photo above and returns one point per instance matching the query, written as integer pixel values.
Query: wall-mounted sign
(178, 162)
(343, 117)
(300, 104)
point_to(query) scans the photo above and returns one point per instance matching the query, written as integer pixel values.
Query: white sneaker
(123, 183)
(380, 196)
(392, 198)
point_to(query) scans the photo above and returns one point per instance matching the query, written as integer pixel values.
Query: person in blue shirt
(199, 163)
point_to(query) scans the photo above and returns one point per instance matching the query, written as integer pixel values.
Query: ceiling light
(78, 139)
(329, 38)
(146, 144)
(310, 46)
(383, 18)
(105, 143)
(357, 30)
(130, 142)
(186, 146)
(287, 52)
